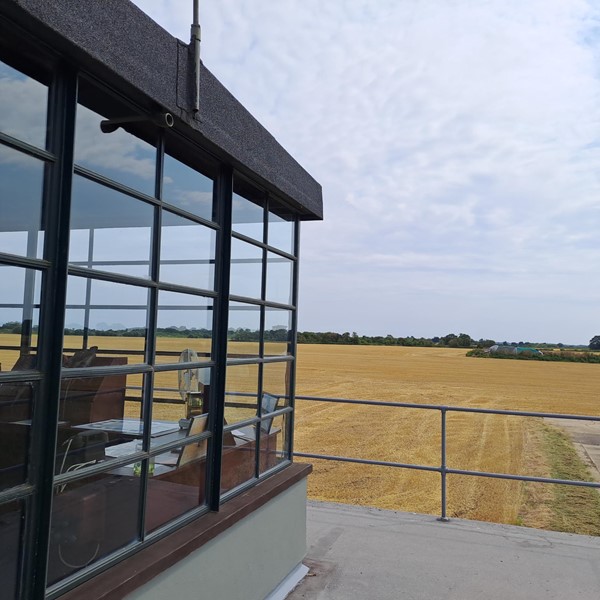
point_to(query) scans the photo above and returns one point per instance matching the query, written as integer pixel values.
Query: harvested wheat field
(477, 442)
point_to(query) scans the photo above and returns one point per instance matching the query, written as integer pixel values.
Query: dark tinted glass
(91, 518)
(12, 516)
(23, 103)
(110, 231)
(16, 402)
(21, 183)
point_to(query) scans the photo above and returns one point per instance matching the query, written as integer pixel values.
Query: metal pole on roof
(195, 43)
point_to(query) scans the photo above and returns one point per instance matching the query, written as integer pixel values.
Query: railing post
(443, 518)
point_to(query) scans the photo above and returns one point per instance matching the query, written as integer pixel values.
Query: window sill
(133, 572)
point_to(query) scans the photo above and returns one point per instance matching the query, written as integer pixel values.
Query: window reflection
(180, 395)
(279, 279)
(99, 418)
(184, 323)
(246, 269)
(110, 231)
(274, 446)
(19, 318)
(21, 186)
(276, 382)
(12, 518)
(243, 335)
(110, 317)
(278, 331)
(248, 217)
(280, 232)
(241, 393)
(16, 402)
(187, 252)
(90, 519)
(23, 103)
(187, 189)
(119, 156)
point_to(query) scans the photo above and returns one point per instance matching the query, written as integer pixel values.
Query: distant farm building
(505, 349)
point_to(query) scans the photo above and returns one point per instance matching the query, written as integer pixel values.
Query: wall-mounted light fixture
(161, 119)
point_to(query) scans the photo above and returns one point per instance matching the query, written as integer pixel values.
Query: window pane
(187, 252)
(246, 269)
(274, 445)
(16, 402)
(19, 318)
(243, 335)
(110, 317)
(278, 331)
(248, 218)
(91, 518)
(177, 484)
(99, 418)
(179, 396)
(280, 232)
(187, 189)
(23, 104)
(279, 279)
(110, 231)
(241, 393)
(184, 323)
(120, 156)
(21, 186)
(12, 517)
(238, 462)
(276, 383)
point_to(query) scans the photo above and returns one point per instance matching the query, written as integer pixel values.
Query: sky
(458, 146)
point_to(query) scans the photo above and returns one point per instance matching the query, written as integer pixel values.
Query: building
(142, 442)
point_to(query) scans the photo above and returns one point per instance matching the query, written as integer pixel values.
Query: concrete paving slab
(371, 554)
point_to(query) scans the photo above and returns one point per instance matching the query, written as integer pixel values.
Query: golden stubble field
(420, 376)
(475, 442)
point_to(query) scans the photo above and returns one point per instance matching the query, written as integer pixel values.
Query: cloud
(452, 135)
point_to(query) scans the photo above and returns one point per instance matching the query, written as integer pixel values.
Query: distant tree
(595, 343)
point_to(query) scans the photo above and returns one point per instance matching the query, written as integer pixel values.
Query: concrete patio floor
(357, 553)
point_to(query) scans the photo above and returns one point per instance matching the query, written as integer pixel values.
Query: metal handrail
(443, 469)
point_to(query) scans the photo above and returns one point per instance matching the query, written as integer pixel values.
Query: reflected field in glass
(184, 322)
(241, 393)
(117, 310)
(243, 333)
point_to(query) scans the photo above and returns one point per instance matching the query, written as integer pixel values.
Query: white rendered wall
(246, 562)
